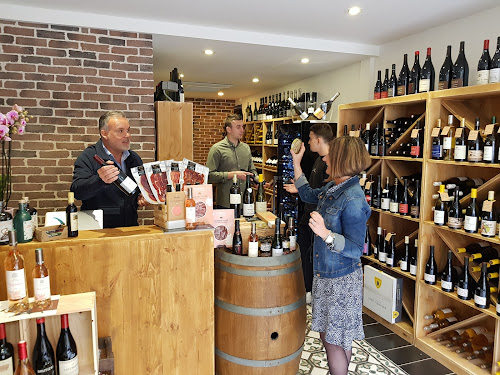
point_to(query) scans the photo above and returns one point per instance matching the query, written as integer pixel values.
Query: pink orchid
(12, 116)
(22, 122)
(20, 130)
(4, 130)
(3, 119)
(16, 108)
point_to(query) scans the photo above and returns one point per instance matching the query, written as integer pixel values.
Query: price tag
(489, 129)
(446, 130)
(362, 181)
(473, 135)
(368, 184)
(488, 206)
(389, 236)
(414, 133)
(458, 132)
(352, 133)
(435, 132)
(444, 196)
(356, 133)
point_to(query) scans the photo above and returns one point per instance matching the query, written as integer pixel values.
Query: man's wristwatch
(330, 238)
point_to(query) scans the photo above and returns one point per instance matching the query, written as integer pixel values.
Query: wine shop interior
(199, 188)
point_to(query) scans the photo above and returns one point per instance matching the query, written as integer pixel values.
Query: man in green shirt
(230, 157)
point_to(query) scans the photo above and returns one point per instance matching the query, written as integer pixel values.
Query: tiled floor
(382, 352)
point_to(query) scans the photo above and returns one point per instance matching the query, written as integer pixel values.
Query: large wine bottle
(460, 76)
(124, 182)
(66, 353)
(303, 115)
(404, 77)
(483, 66)
(235, 197)
(414, 75)
(482, 291)
(427, 75)
(325, 107)
(6, 353)
(43, 354)
(446, 72)
(430, 274)
(495, 65)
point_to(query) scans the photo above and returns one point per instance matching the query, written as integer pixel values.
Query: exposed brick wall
(208, 117)
(67, 77)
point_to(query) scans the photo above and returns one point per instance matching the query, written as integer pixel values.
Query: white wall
(355, 82)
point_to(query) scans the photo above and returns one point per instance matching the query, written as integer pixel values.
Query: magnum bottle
(430, 274)
(460, 77)
(482, 291)
(427, 75)
(277, 244)
(237, 239)
(72, 216)
(446, 72)
(235, 197)
(126, 185)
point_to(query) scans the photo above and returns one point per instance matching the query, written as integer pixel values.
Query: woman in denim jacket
(339, 225)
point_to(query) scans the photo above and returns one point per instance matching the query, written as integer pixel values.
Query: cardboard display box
(382, 294)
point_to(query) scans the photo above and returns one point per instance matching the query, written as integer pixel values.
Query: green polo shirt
(226, 157)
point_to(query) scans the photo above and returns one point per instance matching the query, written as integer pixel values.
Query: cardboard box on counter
(203, 197)
(269, 218)
(382, 294)
(51, 233)
(172, 214)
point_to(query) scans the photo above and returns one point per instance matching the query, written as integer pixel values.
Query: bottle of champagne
(190, 210)
(413, 260)
(392, 89)
(483, 66)
(23, 365)
(41, 281)
(448, 140)
(488, 217)
(471, 219)
(277, 244)
(291, 234)
(447, 278)
(23, 224)
(415, 203)
(366, 137)
(405, 259)
(235, 197)
(6, 353)
(404, 76)
(367, 248)
(404, 202)
(416, 142)
(253, 242)
(427, 75)
(248, 200)
(390, 259)
(6, 224)
(475, 145)
(430, 268)
(378, 86)
(385, 200)
(446, 72)
(495, 65)
(440, 208)
(455, 217)
(43, 354)
(461, 136)
(414, 75)
(66, 353)
(379, 243)
(460, 77)
(437, 147)
(325, 107)
(382, 142)
(375, 141)
(15, 276)
(124, 182)
(490, 142)
(303, 115)
(394, 204)
(466, 284)
(261, 204)
(441, 324)
(72, 216)
(482, 291)
(385, 85)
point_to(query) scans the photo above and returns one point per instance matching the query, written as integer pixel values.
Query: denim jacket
(345, 213)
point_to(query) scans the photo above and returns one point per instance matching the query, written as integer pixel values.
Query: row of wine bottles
(43, 360)
(249, 204)
(422, 79)
(276, 107)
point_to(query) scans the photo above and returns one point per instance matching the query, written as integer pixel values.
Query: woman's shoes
(308, 298)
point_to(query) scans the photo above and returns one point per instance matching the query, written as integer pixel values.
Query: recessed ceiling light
(182, 75)
(220, 93)
(305, 60)
(354, 11)
(208, 52)
(255, 80)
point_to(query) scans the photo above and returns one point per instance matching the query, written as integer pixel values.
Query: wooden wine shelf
(270, 169)
(257, 165)
(462, 232)
(400, 158)
(396, 269)
(408, 217)
(464, 163)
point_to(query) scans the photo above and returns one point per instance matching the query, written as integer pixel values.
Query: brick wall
(208, 117)
(67, 77)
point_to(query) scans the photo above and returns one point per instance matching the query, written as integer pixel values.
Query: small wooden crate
(106, 357)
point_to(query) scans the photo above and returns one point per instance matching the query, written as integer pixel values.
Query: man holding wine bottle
(230, 157)
(109, 186)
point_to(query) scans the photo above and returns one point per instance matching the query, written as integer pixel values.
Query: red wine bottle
(495, 65)
(378, 86)
(482, 291)
(404, 77)
(6, 353)
(367, 249)
(385, 85)
(446, 72)
(43, 353)
(427, 75)
(483, 66)
(67, 356)
(392, 88)
(460, 76)
(124, 182)
(415, 75)
(430, 268)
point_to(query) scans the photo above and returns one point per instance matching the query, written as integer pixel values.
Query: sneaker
(309, 298)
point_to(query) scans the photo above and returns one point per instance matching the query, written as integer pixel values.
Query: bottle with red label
(416, 142)
(404, 202)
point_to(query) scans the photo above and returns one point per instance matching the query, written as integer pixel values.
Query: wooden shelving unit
(422, 299)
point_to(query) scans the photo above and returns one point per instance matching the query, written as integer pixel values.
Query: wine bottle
(404, 264)
(261, 204)
(427, 75)
(72, 216)
(367, 247)
(23, 224)
(255, 112)
(369, 191)
(378, 86)
(43, 354)
(475, 247)
(248, 113)
(66, 351)
(15, 276)
(448, 336)
(404, 202)
(6, 353)
(448, 140)
(461, 136)
(471, 219)
(269, 135)
(443, 323)
(385, 85)
(253, 242)
(394, 204)
(455, 217)
(325, 107)
(460, 77)
(414, 79)
(303, 115)
(488, 217)
(490, 142)
(385, 200)
(413, 260)
(235, 197)
(485, 254)
(403, 79)
(375, 141)
(23, 364)
(466, 335)
(366, 137)
(382, 142)
(446, 72)
(123, 182)
(248, 200)
(447, 278)
(485, 353)
(440, 207)
(483, 66)
(190, 210)
(437, 147)
(377, 193)
(416, 142)
(378, 243)
(291, 234)
(33, 213)
(475, 145)
(440, 314)
(495, 65)
(430, 268)
(415, 203)
(41, 281)
(392, 88)
(466, 284)
(277, 244)
(6, 224)
(390, 259)
(237, 239)
(482, 291)
(382, 251)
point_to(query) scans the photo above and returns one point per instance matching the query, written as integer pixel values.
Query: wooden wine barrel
(260, 314)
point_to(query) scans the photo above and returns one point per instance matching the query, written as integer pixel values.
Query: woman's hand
(317, 225)
(298, 157)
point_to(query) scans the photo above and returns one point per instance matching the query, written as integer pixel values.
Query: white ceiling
(259, 38)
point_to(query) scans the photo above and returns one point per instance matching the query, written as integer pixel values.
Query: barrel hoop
(256, 262)
(251, 273)
(254, 363)
(260, 311)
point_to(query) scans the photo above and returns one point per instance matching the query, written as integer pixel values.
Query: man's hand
(108, 173)
(241, 175)
(290, 188)
(141, 201)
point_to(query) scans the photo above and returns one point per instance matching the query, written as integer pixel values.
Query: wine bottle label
(27, 230)
(429, 278)
(480, 301)
(425, 85)
(475, 155)
(488, 153)
(460, 152)
(304, 115)
(415, 151)
(34, 221)
(5, 226)
(457, 82)
(470, 223)
(73, 221)
(483, 77)
(128, 184)
(385, 204)
(404, 265)
(415, 211)
(488, 228)
(16, 284)
(447, 142)
(41, 286)
(401, 90)
(437, 151)
(446, 285)
(403, 208)
(495, 75)
(384, 94)
(293, 243)
(413, 270)
(286, 244)
(394, 207)
(374, 149)
(498, 310)
(461, 292)
(443, 85)
(234, 199)
(190, 215)
(480, 330)
(248, 209)
(365, 249)
(389, 261)
(277, 251)
(69, 367)
(452, 319)
(253, 249)
(376, 95)
(439, 217)
(260, 206)
(390, 92)
(455, 223)
(382, 257)
(6, 367)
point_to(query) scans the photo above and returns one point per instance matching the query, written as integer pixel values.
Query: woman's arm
(306, 192)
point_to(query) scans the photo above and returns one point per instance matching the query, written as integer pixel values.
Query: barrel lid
(256, 262)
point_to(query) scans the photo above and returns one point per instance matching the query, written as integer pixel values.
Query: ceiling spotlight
(305, 60)
(220, 93)
(354, 11)
(208, 52)
(181, 75)
(255, 80)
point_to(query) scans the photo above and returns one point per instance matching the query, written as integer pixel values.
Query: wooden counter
(155, 293)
